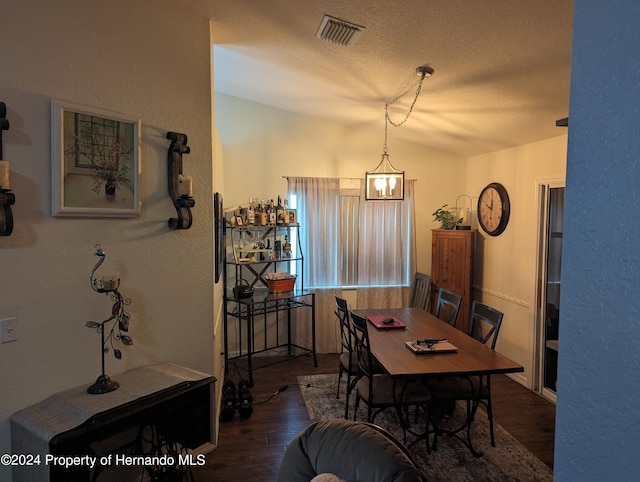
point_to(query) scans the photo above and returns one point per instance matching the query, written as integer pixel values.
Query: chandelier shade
(384, 183)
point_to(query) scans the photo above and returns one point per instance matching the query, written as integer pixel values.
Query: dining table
(472, 357)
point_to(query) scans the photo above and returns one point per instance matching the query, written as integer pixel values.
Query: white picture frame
(95, 162)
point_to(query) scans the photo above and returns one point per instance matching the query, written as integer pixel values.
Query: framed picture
(239, 221)
(95, 162)
(293, 218)
(219, 234)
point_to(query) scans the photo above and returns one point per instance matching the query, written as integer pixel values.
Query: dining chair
(347, 361)
(380, 391)
(448, 306)
(485, 327)
(421, 292)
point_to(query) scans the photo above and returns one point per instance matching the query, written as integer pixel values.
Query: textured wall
(598, 408)
(149, 59)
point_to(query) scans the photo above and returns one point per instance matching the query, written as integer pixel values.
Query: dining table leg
(404, 416)
(471, 408)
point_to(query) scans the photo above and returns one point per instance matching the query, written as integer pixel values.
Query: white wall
(505, 266)
(263, 144)
(148, 58)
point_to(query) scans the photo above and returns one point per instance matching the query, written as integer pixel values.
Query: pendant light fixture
(386, 183)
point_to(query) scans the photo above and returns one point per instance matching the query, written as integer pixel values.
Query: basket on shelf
(281, 284)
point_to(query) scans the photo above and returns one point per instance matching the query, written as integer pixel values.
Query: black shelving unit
(264, 321)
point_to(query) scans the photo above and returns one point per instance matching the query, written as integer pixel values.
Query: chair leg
(490, 410)
(490, 417)
(427, 421)
(434, 423)
(346, 404)
(340, 370)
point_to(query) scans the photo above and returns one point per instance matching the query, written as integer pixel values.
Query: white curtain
(387, 251)
(316, 200)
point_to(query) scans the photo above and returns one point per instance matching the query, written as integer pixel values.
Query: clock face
(493, 209)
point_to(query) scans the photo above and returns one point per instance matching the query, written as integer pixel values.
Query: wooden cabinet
(452, 268)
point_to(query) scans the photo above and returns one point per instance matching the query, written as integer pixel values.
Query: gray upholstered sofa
(352, 451)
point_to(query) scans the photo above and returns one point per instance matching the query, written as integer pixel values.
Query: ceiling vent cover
(338, 31)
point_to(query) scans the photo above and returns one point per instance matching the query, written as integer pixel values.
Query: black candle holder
(7, 198)
(119, 320)
(182, 202)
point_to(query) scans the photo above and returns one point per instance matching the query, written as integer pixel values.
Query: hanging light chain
(386, 106)
(424, 71)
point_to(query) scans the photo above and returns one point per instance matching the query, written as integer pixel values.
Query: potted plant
(445, 217)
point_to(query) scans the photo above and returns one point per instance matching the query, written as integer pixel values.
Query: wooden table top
(472, 357)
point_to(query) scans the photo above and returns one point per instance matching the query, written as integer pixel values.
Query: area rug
(509, 460)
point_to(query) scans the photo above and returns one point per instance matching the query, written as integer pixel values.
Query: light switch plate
(8, 330)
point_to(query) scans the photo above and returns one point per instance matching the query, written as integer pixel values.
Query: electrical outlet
(8, 330)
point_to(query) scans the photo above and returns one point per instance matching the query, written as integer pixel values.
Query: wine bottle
(263, 213)
(251, 214)
(271, 214)
(286, 247)
(286, 212)
(279, 212)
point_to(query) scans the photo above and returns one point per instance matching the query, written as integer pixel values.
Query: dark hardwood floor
(251, 449)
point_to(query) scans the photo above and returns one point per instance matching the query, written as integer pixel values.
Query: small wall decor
(7, 198)
(119, 320)
(95, 162)
(180, 186)
(494, 209)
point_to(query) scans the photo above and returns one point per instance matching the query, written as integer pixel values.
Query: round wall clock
(493, 209)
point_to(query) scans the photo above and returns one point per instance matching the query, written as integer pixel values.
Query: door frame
(543, 187)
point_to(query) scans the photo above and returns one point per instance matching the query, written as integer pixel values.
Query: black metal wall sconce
(180, 187)
(7, 198)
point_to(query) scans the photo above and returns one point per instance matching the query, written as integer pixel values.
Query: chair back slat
(448, 306)
(362, 344)
(485, 323)
(421, 292)
(342, 313)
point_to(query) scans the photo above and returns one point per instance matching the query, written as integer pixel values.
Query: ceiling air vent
(338, 31)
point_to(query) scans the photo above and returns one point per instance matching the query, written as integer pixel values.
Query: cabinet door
(451, 262)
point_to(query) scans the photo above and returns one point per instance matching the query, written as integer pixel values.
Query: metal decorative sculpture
(182, 200)
(120, 323)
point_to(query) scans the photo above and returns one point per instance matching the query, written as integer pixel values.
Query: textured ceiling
(502, 67)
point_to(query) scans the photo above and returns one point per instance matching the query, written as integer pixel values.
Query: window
(349, 216)
(348, 242)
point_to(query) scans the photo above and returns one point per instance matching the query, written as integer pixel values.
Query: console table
(176, 403)
(261, 304)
